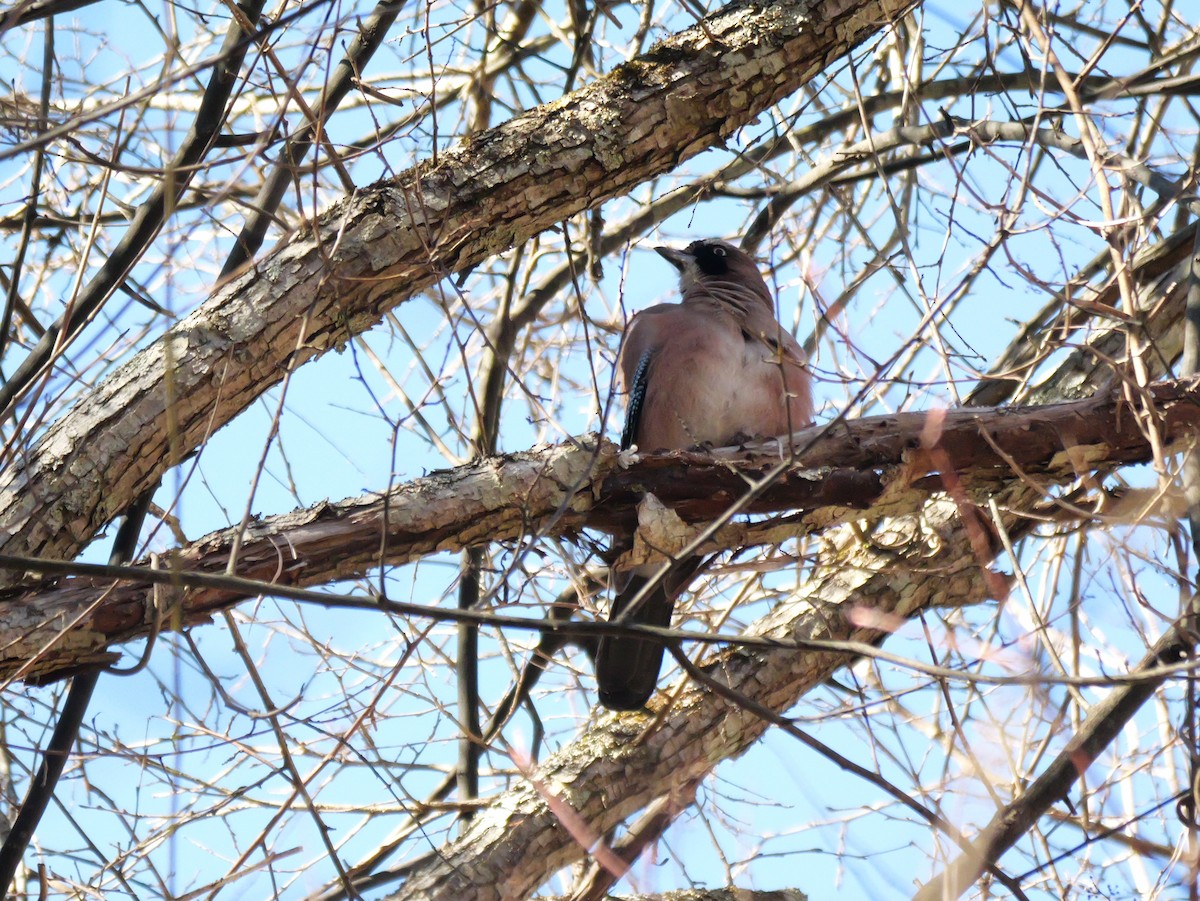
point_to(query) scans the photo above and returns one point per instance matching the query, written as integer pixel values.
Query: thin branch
(1105, 722)
(150, 215)
(349, 70)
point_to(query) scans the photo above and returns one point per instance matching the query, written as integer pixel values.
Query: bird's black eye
(711, 258)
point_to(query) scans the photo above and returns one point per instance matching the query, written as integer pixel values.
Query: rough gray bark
(396, 238)
(858, 470)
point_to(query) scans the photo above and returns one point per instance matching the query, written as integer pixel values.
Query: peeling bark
(562, 489)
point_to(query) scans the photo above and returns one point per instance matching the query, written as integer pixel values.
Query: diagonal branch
(1105, 721)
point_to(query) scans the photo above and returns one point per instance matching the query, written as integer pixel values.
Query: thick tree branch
(854, 470)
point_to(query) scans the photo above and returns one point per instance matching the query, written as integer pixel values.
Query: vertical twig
(13, 300)
(70, 719)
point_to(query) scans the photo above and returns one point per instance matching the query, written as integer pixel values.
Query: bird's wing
(637, 399)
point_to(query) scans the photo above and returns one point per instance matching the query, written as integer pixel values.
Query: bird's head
(711, 263)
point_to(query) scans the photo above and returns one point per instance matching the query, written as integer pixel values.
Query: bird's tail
(627, 668)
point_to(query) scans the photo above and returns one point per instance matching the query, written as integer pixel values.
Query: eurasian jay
(715, 369)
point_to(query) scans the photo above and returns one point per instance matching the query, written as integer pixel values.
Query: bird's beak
(677, 258)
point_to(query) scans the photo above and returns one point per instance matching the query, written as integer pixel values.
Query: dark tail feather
(627, 668)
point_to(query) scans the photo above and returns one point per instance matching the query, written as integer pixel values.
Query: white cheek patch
(688, 276)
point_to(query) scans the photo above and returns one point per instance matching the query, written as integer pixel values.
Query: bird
(714, 369)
